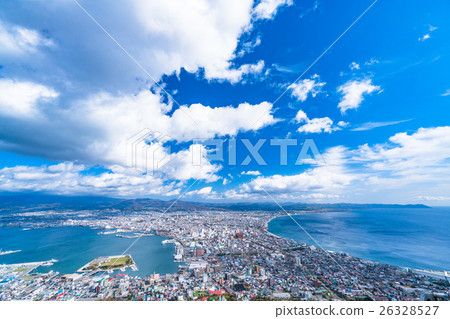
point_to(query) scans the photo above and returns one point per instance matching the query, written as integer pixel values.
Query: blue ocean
(415, 238)
(73, 247)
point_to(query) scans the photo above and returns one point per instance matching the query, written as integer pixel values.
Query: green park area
(117, 262)
(106, 263)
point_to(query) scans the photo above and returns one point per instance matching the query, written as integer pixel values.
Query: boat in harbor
(168, 241)
(49, 262)
(7, 252)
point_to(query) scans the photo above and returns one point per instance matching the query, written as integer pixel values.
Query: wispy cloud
(354, 66)
(433, 198)
(372, 61)
(446, 93)
(427, 35)
(371, 125)
(294, 68)
(310, 10)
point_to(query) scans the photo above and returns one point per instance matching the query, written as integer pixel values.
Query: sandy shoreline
(299, 213)
(272, 218)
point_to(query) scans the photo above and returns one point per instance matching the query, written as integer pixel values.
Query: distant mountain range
(33, 201)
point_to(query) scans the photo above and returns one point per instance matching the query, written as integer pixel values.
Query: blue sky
(376, 104)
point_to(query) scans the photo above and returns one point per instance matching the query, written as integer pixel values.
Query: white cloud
(399, 171)
(181, 29)
(219, 121)
(303, 88)
(433, 198)
(372, 61)
(182, 167)
(446, 93)
(353, 93)
(422, 154)
(200, 36)
(325, 178)
(301, 116)
(95, 130)
(69, 179)
(314, 197)
(235, 75)
(20, 99)
(204, 192)
(354, 66)
(315, 125)
(249, 46)
(267, 9)
(19, 40)
(371, 125)
(427, 35)
(239, 195)
(163, 36)
(254, 173)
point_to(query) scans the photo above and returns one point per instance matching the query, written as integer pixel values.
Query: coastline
(70, 262)
(294, 214)
(422, 270)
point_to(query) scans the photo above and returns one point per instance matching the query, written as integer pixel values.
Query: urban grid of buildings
(222, 255)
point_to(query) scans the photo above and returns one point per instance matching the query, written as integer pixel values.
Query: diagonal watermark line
(318, 58)
(159, 217)
(131, 57)
(313, 239)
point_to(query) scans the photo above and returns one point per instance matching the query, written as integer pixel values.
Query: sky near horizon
(373, 94)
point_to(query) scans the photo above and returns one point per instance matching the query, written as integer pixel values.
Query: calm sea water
(417, 238)
(73, 247)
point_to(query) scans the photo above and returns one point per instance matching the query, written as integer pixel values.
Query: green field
(112, 263)
(117, 262)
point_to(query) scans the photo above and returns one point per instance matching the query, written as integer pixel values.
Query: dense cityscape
(222, 255)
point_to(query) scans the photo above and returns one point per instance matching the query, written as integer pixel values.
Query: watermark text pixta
(149, 151)
(227, 150)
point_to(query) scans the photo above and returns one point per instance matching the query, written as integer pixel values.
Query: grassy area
(21, 269)
(200, 294)
(118, 262)
(112, 263)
